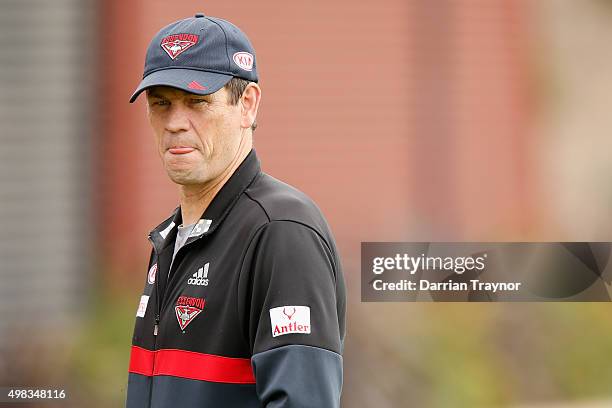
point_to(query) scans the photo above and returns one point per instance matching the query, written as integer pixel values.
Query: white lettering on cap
(244, 60)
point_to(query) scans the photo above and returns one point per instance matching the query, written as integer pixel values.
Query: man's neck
(196, 198)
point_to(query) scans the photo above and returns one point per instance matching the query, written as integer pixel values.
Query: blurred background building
(473, 120)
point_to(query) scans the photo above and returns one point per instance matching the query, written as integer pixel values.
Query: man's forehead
(170, 92)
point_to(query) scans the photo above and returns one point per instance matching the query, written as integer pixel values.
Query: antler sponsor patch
(290, 319)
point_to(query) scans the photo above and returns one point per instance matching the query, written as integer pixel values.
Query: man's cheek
(161, 150)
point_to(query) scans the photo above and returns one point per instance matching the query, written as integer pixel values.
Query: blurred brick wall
(403, 120)
(470, 113)
(332, 121)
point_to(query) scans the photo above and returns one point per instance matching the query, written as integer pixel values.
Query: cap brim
(188, 80)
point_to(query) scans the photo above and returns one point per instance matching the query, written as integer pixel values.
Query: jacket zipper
(157, 302)
(156, 326)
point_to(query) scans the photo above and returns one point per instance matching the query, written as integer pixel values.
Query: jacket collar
(218, 209)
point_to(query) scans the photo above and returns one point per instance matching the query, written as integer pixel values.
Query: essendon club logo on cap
(187, 308)
(175, 44)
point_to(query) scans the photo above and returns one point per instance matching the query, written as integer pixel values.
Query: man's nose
(177, 120)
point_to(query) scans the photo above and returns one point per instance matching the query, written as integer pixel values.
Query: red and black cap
(198, 55)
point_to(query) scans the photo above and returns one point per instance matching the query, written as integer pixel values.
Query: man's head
(198, 137)
(200, 79)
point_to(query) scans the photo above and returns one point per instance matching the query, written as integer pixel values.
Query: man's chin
(183, 181)
(185, 178)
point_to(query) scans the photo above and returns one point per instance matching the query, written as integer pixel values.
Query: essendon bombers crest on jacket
(251, 314)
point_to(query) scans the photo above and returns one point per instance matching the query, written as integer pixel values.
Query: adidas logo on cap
(200, 278)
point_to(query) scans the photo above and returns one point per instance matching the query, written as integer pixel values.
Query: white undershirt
(182, 234)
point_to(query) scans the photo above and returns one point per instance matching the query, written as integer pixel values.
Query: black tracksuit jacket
(253, 311)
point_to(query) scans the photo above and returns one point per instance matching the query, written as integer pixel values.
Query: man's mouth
(181, 150)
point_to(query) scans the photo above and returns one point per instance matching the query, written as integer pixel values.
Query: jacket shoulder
(282, 202)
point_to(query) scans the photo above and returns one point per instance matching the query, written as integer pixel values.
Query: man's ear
(249, 104)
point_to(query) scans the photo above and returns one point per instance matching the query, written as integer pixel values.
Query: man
(244, 303)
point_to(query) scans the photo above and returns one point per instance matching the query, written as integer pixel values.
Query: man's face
(197, 136)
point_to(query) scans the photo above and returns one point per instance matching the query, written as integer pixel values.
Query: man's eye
(159, 103)
(198, 100)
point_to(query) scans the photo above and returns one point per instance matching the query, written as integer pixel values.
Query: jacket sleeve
(294, 295)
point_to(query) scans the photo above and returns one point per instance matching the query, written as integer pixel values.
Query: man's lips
(181, 150)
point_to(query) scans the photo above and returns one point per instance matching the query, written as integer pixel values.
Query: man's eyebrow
(153, 94)
(208, 96)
